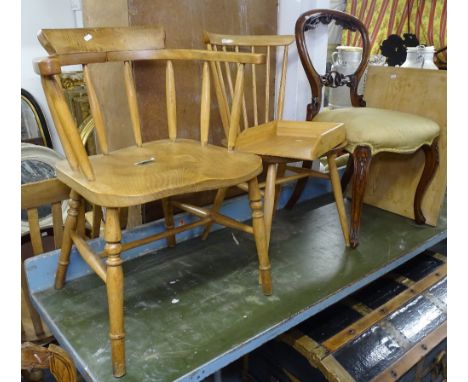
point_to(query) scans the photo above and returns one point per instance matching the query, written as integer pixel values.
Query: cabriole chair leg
(362, 159)
(431, 155)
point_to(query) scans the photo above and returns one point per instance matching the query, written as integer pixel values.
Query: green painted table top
(193, 306)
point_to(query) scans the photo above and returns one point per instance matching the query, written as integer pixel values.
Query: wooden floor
(195, 308)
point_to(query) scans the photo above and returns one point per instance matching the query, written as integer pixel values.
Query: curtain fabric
(427, 20)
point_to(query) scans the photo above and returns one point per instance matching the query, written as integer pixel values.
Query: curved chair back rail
(309, 21)
(51, 66)
(252, 112)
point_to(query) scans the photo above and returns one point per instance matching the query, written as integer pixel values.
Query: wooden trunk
(392, 330)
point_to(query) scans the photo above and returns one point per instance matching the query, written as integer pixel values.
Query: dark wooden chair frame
(360, 159)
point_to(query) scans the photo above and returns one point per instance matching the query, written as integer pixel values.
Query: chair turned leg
(115, 290)
(299, 188)
(169, 220)
(219, 198)
(260, 236)
(347, 175)
(337, 192)
(269, 200)
(70, 225)
(362, 159)
(431, 154)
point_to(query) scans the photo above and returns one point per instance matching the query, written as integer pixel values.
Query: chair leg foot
(115, 291)
(70, 225)
(169, 220)
(299, 188)
(260, 236)
(362, 159)
(338, 194)
(431, 154)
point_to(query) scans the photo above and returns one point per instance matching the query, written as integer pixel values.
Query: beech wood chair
(49, 192)
(278, 142)
(369, 131)
(146, 171)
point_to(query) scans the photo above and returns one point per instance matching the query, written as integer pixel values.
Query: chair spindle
(96, 111)
(205, 105)
(236, 105)
(254, 90)
(282, 84)
(132, 103)
(35, 231)
(57, 221)
(171, 101)
(267, 85)
(68, 124)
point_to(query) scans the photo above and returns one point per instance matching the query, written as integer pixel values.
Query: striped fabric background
(428, 21)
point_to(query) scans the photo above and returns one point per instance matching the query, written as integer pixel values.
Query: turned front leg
(115, 290)
(260, 236)
(70, 226)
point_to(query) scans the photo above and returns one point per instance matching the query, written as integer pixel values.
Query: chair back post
(309, 21)
(223, 79)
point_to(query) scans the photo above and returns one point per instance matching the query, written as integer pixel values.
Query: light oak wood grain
(393, 178)
(178, 167)
(291, 139)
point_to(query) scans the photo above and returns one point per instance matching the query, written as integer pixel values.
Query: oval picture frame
(44, 134)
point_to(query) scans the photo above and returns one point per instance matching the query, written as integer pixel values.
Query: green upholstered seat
(382, 130)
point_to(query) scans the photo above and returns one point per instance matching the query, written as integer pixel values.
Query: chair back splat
(261, 81)
(309, 21)
(87, 46)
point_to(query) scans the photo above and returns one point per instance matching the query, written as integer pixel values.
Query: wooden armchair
(49, 192)
(265, 133)
(369, 131)
(144, 171)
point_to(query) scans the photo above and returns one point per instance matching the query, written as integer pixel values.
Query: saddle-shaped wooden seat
(159, 169)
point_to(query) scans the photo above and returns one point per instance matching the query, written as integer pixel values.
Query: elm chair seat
(159, 169)
(382, 130)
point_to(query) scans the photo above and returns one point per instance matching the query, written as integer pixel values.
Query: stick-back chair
(369, 131)
(263, 130)
(144, 171)
(49, 192)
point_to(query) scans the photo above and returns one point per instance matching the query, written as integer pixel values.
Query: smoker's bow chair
(369, 131)
(279, 142)
(143, 172)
